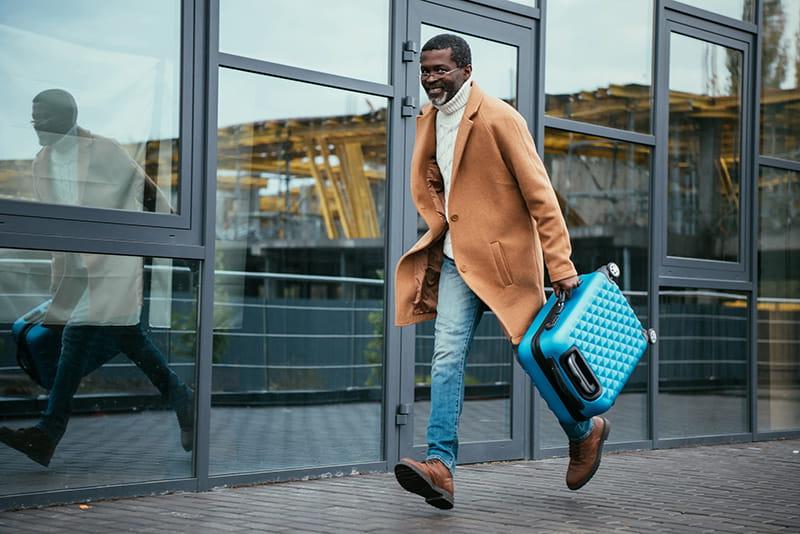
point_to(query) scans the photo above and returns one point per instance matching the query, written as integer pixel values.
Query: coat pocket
(501, 263)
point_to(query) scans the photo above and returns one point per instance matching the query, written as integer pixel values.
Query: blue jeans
(84, 348)
(459, 311)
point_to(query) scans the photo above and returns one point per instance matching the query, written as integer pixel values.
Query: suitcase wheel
(613, 270)
(652, 337)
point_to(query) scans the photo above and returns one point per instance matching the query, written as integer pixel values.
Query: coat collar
(426, 129)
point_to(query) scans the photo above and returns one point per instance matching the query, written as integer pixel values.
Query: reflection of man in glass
(492, 214)
(97, 297)
(79, 167)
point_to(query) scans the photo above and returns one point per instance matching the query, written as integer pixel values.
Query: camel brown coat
(503, 216)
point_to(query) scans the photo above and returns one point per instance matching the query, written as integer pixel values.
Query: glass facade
(97, 369)
(298, 303)
(249, 337)
(91, 114)
(610, 82)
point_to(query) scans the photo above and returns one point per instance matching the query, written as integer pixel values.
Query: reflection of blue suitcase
(38, 346)
(581, 351)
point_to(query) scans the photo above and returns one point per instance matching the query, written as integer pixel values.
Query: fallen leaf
(84, 507)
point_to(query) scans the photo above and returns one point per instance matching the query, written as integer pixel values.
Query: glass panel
(705, 108)
(531, 3)
(603, 187)
(779, 301)
(298, 333)
(608, 81)
(736, 9)
(91, 109)
(348, 37)
(703, 363)
(106, 344)
(487, 401)
(780, 79)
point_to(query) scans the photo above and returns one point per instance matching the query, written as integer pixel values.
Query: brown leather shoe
(585, 455)
(430, 478)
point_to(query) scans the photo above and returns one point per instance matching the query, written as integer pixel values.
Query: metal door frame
(508, 29)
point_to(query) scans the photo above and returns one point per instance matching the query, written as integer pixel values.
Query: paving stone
(739, 488)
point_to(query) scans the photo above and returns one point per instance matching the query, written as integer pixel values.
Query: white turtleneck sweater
(447, 121)
(64, 167)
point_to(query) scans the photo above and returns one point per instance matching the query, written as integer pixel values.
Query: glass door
(492, 421)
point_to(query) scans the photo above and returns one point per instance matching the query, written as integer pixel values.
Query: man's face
(50, 123)
(440, 76)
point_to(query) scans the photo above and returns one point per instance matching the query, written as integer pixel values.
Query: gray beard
(441, 100)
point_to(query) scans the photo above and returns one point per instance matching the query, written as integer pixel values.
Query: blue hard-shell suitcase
(581, 351)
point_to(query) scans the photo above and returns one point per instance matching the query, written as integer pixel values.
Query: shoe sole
(416, 482)
(596, 466)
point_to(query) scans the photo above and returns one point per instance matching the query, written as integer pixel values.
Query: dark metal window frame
(686, 267)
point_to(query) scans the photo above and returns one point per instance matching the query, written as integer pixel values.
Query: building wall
(242, 196)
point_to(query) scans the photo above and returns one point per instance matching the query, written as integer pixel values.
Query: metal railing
(355, 306)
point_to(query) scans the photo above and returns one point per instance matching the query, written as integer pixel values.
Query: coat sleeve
(518, 150)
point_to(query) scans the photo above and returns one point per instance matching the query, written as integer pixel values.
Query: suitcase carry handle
(581, 374)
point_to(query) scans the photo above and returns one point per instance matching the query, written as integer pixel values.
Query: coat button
(454, 217)
(463, 268)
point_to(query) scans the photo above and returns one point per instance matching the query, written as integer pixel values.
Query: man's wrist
(563, 274)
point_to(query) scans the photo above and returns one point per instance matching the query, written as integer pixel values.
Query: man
(492, 214)
(98, 298)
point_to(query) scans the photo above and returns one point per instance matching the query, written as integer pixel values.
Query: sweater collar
(458, 101)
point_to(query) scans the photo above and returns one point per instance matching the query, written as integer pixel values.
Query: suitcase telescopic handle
(580, 373)
(587, 387)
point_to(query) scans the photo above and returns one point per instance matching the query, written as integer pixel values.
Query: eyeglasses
(436, 74)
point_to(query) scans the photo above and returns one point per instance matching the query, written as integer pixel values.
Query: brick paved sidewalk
(751, 487)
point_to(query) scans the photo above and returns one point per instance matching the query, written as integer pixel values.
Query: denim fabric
(87, 347)
(459, 311)
(578, 431)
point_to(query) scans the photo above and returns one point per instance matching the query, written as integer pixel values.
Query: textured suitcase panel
(609, 335)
